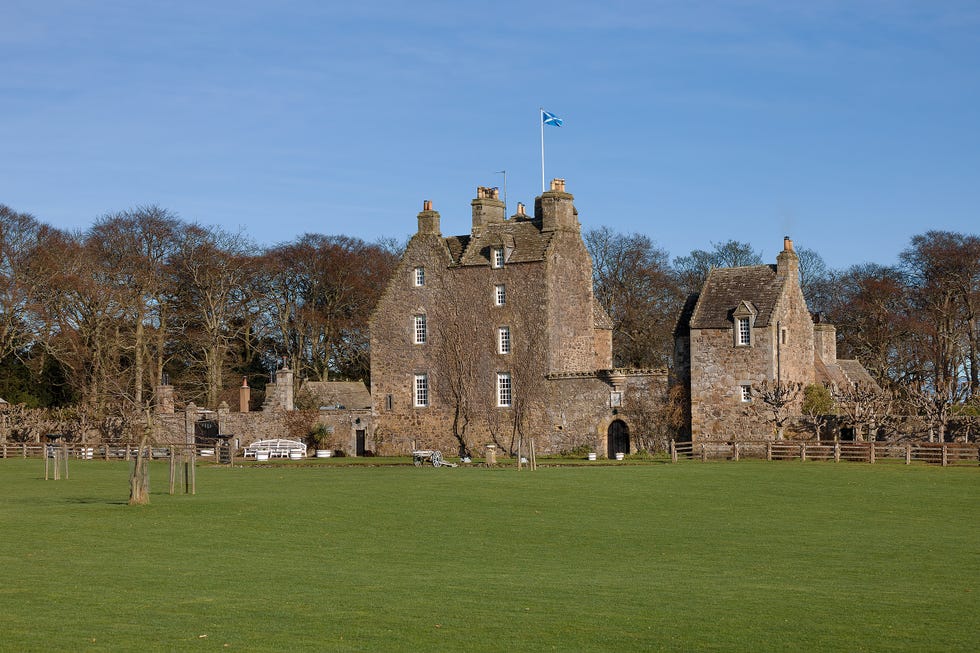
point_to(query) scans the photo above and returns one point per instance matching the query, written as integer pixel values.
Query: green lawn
(725, 556)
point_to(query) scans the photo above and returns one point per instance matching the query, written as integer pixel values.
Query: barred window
(421, 333)
(503, 340)
(421, 390)
(504, 396)
(499, 295)
(419, 276)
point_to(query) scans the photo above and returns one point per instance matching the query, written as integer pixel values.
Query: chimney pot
(558, 185)
(787, 244)
(427, 205)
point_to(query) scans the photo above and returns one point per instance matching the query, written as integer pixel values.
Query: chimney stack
(428, 219)
(488, 208)
(555, 208)
(788, 263)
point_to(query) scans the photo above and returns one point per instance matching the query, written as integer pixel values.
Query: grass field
(744, 556)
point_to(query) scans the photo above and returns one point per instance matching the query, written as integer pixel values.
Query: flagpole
(504, 173)
(541, 120)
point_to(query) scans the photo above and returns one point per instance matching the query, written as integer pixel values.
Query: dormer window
(743, 334)
(497, 257)
(743, 319)
(418, 276)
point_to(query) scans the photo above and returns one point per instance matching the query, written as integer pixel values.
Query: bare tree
(775, 401)
(18, 234)
(635, 285)
(692, 270)
(213, 270)
(864, 407)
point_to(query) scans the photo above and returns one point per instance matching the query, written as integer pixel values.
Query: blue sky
(849, 126)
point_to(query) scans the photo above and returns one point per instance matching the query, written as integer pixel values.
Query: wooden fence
(945, 454)
(109, 451)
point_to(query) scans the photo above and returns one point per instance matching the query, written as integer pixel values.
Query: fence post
(871, 456)
(5, 450)
(673, 452)
(945, 456)
(24, 449)
(704, 453)
(803, 452)
(908, 454)
(769, 450)
(735, 451)
(837, 451)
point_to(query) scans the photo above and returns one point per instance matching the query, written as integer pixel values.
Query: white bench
(279, 448)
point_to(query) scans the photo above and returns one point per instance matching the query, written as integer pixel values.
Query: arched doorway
(617, 438)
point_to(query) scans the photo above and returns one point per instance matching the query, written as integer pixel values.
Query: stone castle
(495, 336)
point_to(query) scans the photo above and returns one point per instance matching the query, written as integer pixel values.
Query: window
(389, 402)
(503, 340)
(420, 330)
(418, 276)
(421, 390)
(615, 399)
(743, 332)
(745, 393)
(504, 396)
(782, 336)
(497, 257)
(499, 295)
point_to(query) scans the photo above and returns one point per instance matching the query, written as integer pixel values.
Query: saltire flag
(551, 119)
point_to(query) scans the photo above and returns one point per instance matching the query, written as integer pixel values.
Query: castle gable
(726, 289)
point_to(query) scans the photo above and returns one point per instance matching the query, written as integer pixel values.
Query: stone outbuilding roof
(352, 395)
(726, 288)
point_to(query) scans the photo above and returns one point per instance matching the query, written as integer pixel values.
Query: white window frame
(503, 340)
(745, 393)
(420, 390)
(420, 333)
(497, 257)
(499, 294)
(418, 276)
(505, 390)
(743, 337)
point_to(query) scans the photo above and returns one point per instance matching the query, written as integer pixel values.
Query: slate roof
(351, 395)
(457, 245)
(829, 373)
(726, 288)
(855, 372)
(522, 239)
